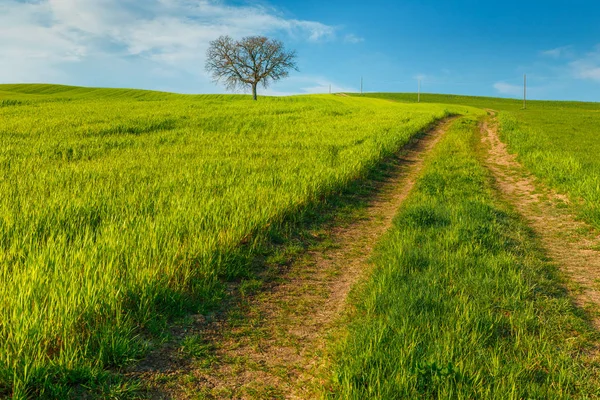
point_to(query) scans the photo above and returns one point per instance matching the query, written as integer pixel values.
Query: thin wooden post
(524, 91)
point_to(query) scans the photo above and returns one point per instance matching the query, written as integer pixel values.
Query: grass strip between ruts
(461, 302)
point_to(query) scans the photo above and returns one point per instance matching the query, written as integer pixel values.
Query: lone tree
(245, 63)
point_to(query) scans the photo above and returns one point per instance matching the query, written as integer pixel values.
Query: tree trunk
(254, 97)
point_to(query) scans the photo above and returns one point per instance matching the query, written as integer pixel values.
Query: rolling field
(120, 209)
(558, 141)
(124, 211)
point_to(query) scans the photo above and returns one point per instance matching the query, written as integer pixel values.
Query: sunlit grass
(121, 208)
(461, 303)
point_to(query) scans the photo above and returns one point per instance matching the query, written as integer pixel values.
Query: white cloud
(39, 39)
(322, 86)
(308, 84)
(587, 67)
(586, 71)
(508, 89)
(572, 65)
(351, 38)
(559, 52)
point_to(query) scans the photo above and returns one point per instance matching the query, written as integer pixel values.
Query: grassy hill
(123, 208)
(49, 92)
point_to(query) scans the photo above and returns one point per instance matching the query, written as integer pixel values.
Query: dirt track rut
(277, 348)
(569, 243)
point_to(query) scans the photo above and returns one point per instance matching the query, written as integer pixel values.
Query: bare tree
(249, 62)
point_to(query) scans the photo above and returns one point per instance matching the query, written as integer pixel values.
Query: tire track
(568, 242)
(277, 348)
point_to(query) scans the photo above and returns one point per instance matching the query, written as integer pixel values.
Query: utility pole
(524, 91)
(361, 85)
(419, 92)
(330, 88)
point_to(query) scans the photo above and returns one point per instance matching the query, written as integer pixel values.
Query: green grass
(461, 303)
(120, 209)
(123, 209)
(558, 141)
(561, 148)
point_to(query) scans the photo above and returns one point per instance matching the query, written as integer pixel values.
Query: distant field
(558, 141)
(119, 208)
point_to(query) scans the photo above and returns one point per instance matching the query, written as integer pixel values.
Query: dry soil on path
(569, 242)
(276, 348)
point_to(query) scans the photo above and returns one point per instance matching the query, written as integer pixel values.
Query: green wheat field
(122, 210)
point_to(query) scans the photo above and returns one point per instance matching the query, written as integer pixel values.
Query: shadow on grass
(260, 262)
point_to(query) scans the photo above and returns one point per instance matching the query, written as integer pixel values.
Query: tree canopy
(251, 61)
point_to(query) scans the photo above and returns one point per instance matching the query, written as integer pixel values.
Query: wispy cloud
(323, 86)
(508, 89)
(588, 66)
(558, 52)
(352, 38)
(38, 38)
(311, 84)
(584, 70)
(569, 64)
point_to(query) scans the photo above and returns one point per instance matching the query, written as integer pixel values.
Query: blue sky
(459, 46)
